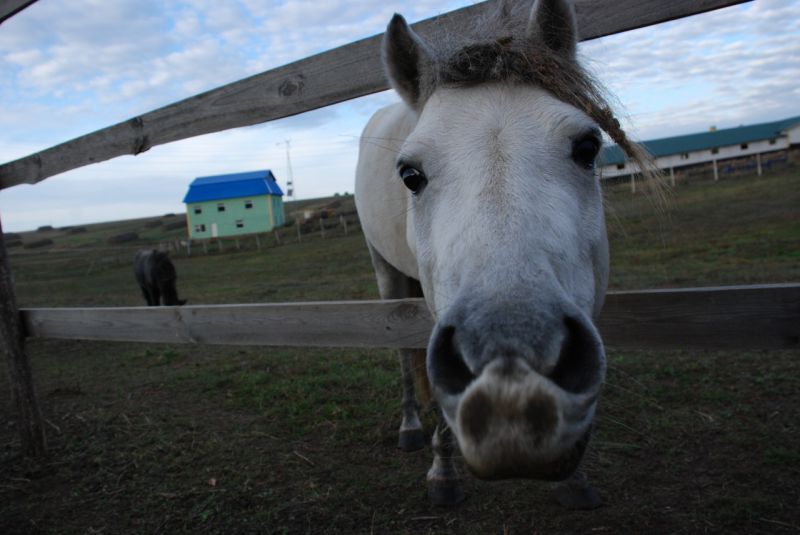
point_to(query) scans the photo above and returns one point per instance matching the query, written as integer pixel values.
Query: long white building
(716, 152)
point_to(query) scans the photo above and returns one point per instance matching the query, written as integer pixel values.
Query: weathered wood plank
(12, 346)
(766, 316)
(401, 323)
(340, 74)
(736, 317)
(9, 8)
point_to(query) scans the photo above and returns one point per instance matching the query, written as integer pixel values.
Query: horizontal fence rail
(9, 8)
(331, 77)
(735, 317)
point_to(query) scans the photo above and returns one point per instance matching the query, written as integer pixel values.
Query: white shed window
(743, 146)
(772, 141)
(715, 150)
(620, 166)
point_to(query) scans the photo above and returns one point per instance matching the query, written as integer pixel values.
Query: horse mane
(496, 49)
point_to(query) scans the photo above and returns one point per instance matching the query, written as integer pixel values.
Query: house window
(743, 146)
(620, 166)
(715, 150)
(220, 207)
(198, 209)
(685, 156)
(772, 141)
(199, 228)
(240, 223)
(248, 204)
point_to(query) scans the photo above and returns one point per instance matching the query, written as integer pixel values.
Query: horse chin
(523, 466)
(522, 425)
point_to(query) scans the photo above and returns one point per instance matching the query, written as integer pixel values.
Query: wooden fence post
(277, 237)
(344, 223)
(322, 228)
(298, 231)
(12, 344)
(205, 247)
(258, 243)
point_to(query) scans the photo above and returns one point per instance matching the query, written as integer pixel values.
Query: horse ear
(406, 59)
(552, 22)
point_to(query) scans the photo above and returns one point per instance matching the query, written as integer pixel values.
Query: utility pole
(289, 175)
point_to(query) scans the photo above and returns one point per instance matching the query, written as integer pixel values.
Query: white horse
(479, 193)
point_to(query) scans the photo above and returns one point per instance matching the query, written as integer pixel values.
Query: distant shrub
(153, 224)
(169, 215)
(44, 228)
(125, 237)
(175, 225)
(77, 230)
(38, 243)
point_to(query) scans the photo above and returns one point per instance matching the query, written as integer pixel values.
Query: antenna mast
(289, 175)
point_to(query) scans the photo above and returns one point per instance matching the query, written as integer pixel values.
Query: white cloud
(68, 68)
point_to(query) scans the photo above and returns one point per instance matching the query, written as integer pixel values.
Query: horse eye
(584, 151)
(413, 178)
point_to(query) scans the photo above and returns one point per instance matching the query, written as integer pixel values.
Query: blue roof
(612, 154)
(250, 184)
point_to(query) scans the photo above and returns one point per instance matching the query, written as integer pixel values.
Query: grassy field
(149, 438)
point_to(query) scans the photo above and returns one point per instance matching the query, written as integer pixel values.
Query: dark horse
(156, 277)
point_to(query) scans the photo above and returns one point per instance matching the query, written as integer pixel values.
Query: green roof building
(233, 205)
(713, 148)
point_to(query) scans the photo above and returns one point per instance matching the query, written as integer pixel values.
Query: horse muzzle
(512, 422)
(519, 405)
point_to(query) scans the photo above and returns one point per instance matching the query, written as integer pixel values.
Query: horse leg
(444, 483)
(392, 284)
(146, 294)
(155, 296)
(575, 492)
(411, 437)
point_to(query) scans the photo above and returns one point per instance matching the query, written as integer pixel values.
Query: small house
(232, 205)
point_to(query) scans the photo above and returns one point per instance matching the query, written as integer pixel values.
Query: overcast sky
(69, 68)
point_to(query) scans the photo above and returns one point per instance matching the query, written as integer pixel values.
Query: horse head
(506, 223)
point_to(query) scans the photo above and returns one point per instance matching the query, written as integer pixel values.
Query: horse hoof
(411, 440)
(577, 498)
(445, 493)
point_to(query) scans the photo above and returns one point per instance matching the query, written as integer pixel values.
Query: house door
(213, 230)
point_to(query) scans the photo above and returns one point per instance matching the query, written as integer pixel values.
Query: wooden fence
(758, 316)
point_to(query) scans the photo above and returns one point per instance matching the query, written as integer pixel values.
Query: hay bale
(125, 237)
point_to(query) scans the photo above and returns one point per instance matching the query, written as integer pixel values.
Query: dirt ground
(159, 439)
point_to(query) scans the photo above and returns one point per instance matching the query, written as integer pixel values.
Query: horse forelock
(497, 49)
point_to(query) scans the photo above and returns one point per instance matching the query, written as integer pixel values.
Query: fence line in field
(733, 317)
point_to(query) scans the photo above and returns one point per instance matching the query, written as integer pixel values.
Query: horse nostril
(446, 366)
(580, 364)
